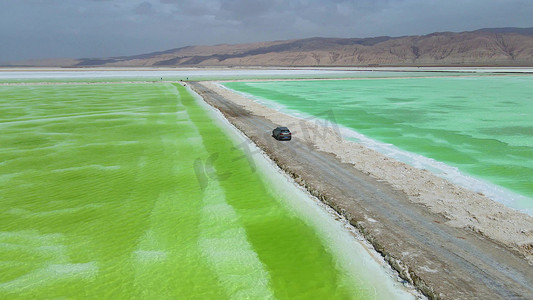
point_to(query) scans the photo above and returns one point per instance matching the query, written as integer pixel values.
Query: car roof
(282, 128)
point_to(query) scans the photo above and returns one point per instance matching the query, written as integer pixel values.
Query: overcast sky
(102, 28)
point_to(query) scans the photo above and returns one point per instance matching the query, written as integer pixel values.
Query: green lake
(481, 125)
(135, 191)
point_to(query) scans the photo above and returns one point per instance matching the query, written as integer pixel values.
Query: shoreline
(487, 68)
(345, 243)
(476, 212)
(59, 81)
(17, 75)
(452, 207)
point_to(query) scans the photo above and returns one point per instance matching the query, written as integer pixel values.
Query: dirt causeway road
(443, 262)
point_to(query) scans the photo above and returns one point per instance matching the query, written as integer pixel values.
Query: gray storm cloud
(99, 28)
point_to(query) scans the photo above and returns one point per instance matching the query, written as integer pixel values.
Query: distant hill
(484, 47)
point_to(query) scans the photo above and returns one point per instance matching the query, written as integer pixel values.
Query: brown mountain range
(484, 47)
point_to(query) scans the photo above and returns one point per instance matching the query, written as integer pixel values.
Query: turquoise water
(481, 125)
(133, 191)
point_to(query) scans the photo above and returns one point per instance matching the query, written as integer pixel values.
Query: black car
(281, 133)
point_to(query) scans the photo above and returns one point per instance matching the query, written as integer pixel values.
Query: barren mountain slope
(469, 48)
(485, 47)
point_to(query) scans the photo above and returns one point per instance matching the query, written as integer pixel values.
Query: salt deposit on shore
(354, 254)
(461, 207)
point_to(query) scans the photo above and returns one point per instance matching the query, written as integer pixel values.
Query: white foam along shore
(343, 241)
(462, 207)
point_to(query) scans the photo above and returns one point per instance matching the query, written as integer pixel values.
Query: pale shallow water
(154, 74)
(133, 191)
(165, 74)
(476, 131)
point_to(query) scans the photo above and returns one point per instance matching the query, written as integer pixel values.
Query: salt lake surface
(169, 74)
(476, 131)
(136, 191)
